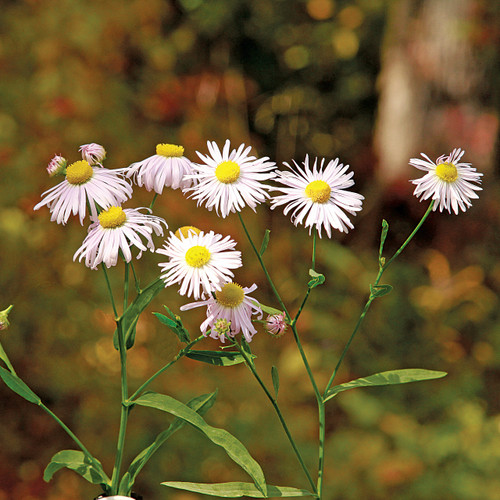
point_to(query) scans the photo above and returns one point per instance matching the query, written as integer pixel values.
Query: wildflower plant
(201, 264)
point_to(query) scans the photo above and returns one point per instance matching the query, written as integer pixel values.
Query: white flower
(318, 195)
(93, 153)
(85, 185)
(167, 168)
(199, 262)
(448, 182)
(227, 181)
(229, 312)
(116, 230)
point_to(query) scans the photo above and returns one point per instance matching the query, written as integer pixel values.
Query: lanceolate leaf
(91, 470)
(379, 290)
(218, 358)
(18, 386)
(270, 310)
(221, 437)
(383, 236)
(236, 490)
(276, 381)
(200, 404)
(175, 324)
(317, 279)
(391, 377)
(265, 242)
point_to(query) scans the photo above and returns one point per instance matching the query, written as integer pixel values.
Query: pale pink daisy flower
(276, 324)
(318, 196)
(85, 185)
(93, 153)
(167, 168)
(229, 312)
(199, 262)
(57, 166)
(115, 231)
(449, 182)
(230, 180)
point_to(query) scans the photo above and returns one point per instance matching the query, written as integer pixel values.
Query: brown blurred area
(373, 82)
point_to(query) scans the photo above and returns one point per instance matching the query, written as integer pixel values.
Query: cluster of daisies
(316, 194)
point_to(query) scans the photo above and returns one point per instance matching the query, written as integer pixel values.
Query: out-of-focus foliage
(290, 78)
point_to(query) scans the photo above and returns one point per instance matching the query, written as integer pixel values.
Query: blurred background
(374, 82)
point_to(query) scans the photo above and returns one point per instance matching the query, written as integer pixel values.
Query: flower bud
(93, 153)
(4, 322)
(57, 166)
(276, 325)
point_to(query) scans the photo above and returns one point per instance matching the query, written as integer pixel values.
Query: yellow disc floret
(230, 295)
(197, 256)
(186, 231)
(79, 172)
(318, 191)
(227, 172)
(447, 172)
(169, 150)
(112, 217)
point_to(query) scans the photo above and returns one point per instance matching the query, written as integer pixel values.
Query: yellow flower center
(112, 217)
(227, 172)
(447, 172)
(319, 191)
(186, 231)
(197, 256)
(169, 150)
(230, 295)
(79, 172)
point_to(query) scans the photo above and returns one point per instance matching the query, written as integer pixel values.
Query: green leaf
(175, 324)
(200, 404)
(276, 380)
(18, 386)
(218, 358)
(317, 279)
(3, 356)
(129, 319)
(265, 242)
(383, 236)
(379, 290)
(220, 437)
(391, 377)
(269, 310)
(236, 490)
(89, 469)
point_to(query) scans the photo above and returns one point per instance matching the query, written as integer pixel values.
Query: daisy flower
(167, 168)
(93, 153)
(84, 185)
(229, 180)
(318, 197)
(115, 231)
(449, 182)
(199, 262)
(229, 312)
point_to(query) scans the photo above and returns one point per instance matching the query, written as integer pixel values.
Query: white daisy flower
(199, 262)
(115, 231)
(318, 195)
(93, 153)
(227, 181)
(229, 312)
(167, 168)
(85, 185)
(449, 182)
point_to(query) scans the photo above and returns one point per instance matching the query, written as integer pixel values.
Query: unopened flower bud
(221, 329)
(93, 153)
(4, 322)
(276, 325)
(57, 166)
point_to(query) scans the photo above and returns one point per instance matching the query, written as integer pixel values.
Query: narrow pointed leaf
(236, 490)
(265, 242)
(3, 355)
(391, 377)
(200, 404)
(270, 310)
(18, 386)
(233, 447)
(218, 358)
(383, 236)
(175, 324)
(379, 290)
(317, 279)
(89, 469)
(276, 381)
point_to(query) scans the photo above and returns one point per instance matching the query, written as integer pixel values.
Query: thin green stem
(136, 279)
(180, 354)
(153, 201)
(126, 286)
(273, 401)
(110, 291)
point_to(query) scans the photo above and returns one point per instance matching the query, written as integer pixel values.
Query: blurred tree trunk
(435, 91)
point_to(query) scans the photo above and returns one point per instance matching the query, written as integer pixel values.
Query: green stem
(153, 201)
(110, 291)
(273, 401)
(180, 354)
(125, 291)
